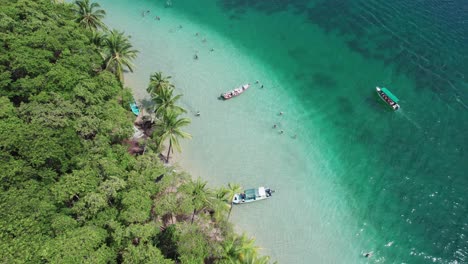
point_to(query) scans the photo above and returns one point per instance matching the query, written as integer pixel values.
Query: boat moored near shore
(252, 195)
(388, 97)
(235, 92)
(134, 107)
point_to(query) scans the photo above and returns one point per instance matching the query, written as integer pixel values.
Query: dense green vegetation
(70, 190)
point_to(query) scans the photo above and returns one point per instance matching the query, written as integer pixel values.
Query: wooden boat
(135, 108)
(235, 92)
(388, 97)
(252, 195)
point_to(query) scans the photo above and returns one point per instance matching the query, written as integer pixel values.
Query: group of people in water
(282, 131)
(195, 56)
(144, 13)
(281, 113)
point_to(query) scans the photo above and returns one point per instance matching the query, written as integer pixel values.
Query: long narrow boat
(235, 92)
(252, 195)
(388, 97)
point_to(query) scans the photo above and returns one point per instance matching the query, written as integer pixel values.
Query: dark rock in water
(324, 80)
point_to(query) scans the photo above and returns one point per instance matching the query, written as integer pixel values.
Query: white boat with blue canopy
(388, 97)
(252, 195)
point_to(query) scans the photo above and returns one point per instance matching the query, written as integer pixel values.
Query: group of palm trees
(118, 53)
(236, 248)
(167, 112)
(115, 48)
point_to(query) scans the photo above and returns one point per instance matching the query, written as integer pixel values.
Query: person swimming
(368, 254)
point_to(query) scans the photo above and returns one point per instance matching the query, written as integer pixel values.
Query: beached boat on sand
(252, 195)
(235, 92)
(388, 97)
(135, 108)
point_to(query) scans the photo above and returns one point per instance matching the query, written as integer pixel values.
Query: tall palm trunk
(193, 215)
(230, 209)
(169, 151)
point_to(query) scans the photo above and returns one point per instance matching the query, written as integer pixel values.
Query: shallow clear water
(358, 177)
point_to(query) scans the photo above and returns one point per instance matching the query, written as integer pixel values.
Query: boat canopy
(250, 194)
(389, 94)
(261, 191)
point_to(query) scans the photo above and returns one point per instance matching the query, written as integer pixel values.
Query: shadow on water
(324, 80)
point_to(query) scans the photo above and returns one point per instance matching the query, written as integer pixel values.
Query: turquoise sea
(351, 175)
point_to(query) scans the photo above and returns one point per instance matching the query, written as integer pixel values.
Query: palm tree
(89, 16)
(246, 247)
(97, 38)
(164, 101)
(118, 53)
(240, 249)
(230, 250)
(232, 189)
(171, 128)
(218, 206)
(251, 258)
(157, 82)
(200, 196)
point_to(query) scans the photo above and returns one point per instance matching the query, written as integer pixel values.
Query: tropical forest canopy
(71, 191)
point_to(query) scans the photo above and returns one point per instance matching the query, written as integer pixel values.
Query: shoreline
(320, 76)
(234, 140)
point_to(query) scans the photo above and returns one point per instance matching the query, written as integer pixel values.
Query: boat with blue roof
(388, 97)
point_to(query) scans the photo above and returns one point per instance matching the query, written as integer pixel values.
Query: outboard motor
(269, 192)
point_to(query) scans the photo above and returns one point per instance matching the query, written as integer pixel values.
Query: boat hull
(252, 195)
(234, 93)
